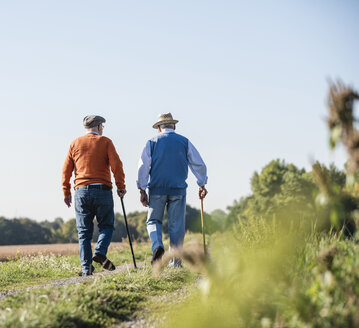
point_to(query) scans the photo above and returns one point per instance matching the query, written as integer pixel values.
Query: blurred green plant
(336, 207)
(274, 275)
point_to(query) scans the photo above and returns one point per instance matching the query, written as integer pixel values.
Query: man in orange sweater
(91, 157)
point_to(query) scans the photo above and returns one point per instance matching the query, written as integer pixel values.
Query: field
(48, 262)
(16, 251)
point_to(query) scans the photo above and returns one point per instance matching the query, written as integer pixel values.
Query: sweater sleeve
(67, 173)
(197, 165)
(144, 166)
(116, 166)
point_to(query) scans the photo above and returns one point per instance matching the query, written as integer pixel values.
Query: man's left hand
(121, 192)
(144, 198)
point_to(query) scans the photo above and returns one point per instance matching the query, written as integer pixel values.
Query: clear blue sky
(246, 79)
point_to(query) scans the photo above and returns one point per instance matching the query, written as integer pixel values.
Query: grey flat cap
(91, 121)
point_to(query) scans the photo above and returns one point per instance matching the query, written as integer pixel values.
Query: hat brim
(157, 124)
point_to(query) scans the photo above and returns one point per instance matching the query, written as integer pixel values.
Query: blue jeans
(176, 209)
(91, 202)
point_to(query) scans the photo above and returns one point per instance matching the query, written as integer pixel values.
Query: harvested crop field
(15, 251)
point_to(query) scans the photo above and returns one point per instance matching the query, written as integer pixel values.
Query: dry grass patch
(17, 251)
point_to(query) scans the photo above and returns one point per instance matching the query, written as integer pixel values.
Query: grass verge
(101, 302)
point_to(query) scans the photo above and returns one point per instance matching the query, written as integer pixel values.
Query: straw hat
(164, 119)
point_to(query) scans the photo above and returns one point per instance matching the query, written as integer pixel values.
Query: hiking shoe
(104, 261)
(85, 274)
(157, 254)
(175, 262)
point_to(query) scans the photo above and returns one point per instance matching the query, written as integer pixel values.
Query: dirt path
(71, 280)
(146, 318)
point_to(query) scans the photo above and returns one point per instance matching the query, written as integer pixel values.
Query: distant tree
(239, 209)
(137, 223)
(218, 215)
(282, 191)
(69, 231)
(120, 233)
(120, 229)
(22, 231)
(194, 224)
(53, 225)
(58, 222)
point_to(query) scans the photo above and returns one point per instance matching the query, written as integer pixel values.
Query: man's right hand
(121, 193)
(68, 200)
(202, 192)
(144, 198)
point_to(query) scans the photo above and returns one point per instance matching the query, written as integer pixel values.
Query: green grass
(263, 275)
(32, 270)
(97, 303)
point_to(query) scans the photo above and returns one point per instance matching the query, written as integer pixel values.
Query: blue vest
(169, 166)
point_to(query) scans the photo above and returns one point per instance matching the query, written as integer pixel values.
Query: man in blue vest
(163, 169)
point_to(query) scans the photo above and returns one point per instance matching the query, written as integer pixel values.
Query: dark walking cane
(128, 233)
(203, 233)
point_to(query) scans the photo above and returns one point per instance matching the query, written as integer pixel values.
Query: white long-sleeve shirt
(195, 163)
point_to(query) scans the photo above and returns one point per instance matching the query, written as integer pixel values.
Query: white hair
(167, 126)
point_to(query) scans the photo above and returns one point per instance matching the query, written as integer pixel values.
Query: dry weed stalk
(341, 121)
(326, 257)
(193, 255)
(321, 178)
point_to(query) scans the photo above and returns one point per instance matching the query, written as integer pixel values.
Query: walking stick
(128, 233)
(203, 233)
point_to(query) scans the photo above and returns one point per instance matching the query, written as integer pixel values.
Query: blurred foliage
(336, 207)
(275, 275)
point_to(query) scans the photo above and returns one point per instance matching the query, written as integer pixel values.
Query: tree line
(19, 231)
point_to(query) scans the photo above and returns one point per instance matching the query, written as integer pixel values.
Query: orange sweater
(91, 157)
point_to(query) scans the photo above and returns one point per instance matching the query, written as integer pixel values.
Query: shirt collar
(167, 130)
(94, 132)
